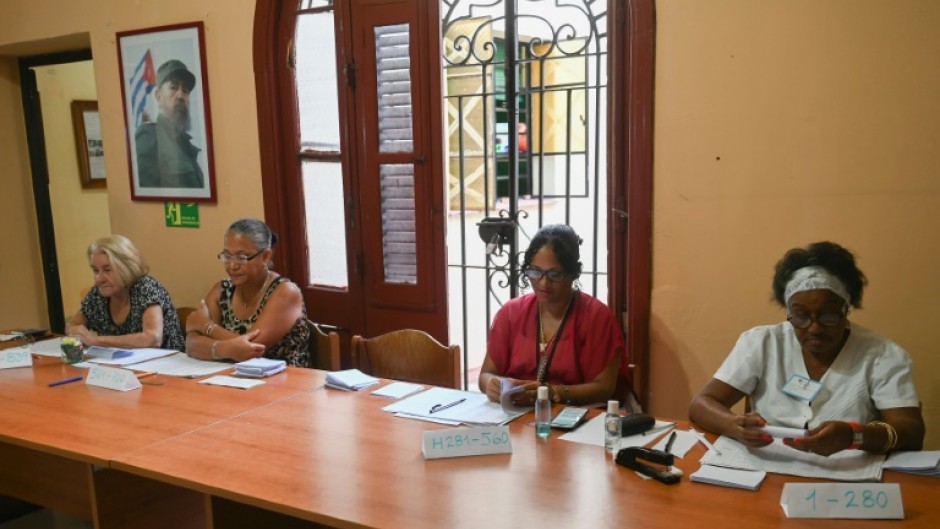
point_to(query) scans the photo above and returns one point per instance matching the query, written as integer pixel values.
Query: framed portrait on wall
(166, 108)
(89, 146)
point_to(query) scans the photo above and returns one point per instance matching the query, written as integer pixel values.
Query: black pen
(438, 407)
(672, 438)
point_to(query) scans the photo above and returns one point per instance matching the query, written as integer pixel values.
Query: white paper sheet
(232, 382)
(181, 365)
(52, 347)
(475, 409)
(592, 433)
(119, 357)
(847, 465)
(397, 390)
(729, 477)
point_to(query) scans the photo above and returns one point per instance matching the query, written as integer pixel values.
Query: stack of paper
(260, 367)
(729, 477)
(926, 463)
(350, 380)
(452, 406)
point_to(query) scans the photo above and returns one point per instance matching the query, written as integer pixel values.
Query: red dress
(588, 341)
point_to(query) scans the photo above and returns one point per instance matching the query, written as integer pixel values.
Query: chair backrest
(323, 348)
(410, 355)
(183, 313)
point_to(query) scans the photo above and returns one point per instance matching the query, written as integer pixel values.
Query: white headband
(815, 278)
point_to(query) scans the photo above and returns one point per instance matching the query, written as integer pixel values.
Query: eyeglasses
(534, 274)
(803, 321)
(240, 259)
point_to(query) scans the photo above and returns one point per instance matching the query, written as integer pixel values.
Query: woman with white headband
(850, 387)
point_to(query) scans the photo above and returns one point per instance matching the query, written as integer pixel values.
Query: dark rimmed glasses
(534, 274)
(828, 319)
(239, 259)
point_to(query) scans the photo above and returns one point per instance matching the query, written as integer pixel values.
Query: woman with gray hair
(126, 307)
(849, 387)
(254, 311)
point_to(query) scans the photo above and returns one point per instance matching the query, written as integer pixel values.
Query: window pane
(326, 226)
(398, 223)
(317, 99)
(394, 88)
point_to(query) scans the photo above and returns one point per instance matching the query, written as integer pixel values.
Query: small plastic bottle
(543, 413)
(612, 427)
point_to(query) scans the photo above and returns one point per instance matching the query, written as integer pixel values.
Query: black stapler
(640, 459)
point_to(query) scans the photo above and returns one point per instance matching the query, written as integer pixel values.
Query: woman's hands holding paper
(743, 429)
(826, 439)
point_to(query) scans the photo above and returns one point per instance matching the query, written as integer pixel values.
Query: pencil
(141, 376)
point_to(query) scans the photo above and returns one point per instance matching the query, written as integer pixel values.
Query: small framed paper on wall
(88, 145)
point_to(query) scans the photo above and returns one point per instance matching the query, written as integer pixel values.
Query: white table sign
(842, 500)
(459, 442)
(15, 357)
(112, 378)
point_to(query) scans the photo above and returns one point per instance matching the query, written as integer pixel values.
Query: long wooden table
(57, 444)
(289, 454)
(332, 458)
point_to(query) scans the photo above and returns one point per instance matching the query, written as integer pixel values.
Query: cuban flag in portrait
(142, 82)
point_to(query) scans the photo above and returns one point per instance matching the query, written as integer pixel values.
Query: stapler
(649, 462)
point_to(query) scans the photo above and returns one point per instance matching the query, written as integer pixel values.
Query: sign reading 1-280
(842, 500)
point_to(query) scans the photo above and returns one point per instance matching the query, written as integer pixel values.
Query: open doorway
(71, 199)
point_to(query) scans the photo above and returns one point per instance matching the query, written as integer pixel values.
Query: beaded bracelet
(209, 328)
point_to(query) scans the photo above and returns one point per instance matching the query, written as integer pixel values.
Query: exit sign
(181, 214)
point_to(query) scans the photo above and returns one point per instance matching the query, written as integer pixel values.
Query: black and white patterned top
(144, 293)
(292, 347)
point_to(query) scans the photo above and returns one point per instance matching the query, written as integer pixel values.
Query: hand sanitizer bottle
(612, 427)
(543, 413)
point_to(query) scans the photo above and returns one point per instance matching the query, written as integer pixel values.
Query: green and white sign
(181, 214)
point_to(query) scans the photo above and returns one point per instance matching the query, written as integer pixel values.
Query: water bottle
(543, 413)
(612, 427)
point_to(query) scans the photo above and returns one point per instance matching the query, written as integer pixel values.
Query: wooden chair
(323, 348)
(183, 313)
(409, 355)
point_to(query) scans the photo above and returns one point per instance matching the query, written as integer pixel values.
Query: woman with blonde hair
(126, 307)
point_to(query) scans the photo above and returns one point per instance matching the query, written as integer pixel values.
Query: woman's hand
(525, 396)
(87, 336)
(240, 348)
(826, 439)
(742, 429)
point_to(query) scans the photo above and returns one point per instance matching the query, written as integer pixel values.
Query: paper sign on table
(15, 357)
(459, 442)
(112, 378)
(842, 500)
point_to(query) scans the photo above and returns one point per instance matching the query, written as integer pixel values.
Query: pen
(438, 407)
(672, 439)
(66, 381)
(704, 441)
(141, 376)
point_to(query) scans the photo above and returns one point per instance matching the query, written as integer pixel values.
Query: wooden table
(57, 444)
(333, 458)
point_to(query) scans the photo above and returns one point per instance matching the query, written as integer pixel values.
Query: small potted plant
(72, 349)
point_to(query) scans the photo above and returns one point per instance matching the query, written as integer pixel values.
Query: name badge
(15, 357)
(802, 388)
(842, 500)
(459, 442)
(112, 378)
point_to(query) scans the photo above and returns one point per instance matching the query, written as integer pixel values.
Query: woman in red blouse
(556, 335)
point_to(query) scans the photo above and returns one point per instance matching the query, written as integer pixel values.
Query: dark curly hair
(563, 240)
(834, 258)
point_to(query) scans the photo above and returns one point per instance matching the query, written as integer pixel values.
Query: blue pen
(66, 381)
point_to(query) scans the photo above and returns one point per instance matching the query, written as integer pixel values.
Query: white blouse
(871, 373)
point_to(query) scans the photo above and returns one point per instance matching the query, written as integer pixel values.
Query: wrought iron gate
(525, 96)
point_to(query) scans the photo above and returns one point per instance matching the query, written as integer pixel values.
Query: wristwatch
(858, 436)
